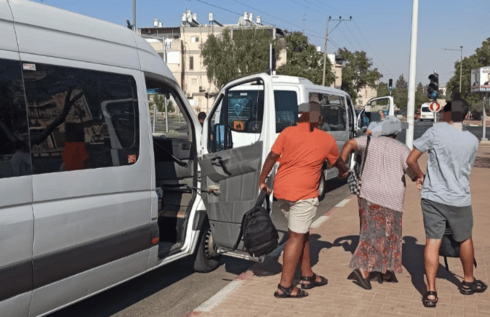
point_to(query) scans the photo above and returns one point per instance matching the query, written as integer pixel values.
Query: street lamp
(460, 65)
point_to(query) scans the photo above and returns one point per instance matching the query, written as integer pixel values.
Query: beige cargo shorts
(300, 213)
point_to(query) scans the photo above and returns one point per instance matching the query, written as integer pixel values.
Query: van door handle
(220, 163)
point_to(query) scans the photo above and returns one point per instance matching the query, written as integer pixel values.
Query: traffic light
(390, 84)
(206, 95)
(433, 89)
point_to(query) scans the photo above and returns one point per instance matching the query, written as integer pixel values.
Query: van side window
(333, 111)
(80, 119)
(286, 103)
(15, 157)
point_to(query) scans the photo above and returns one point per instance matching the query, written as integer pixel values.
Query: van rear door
(237, 136)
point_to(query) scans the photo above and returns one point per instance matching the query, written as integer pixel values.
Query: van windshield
(425, 109)
(247, 107)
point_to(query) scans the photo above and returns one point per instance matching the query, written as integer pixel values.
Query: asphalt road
(176, 289)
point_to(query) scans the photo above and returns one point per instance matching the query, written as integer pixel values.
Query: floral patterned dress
(380, 239)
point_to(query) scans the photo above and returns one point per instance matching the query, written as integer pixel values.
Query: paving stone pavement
(332, 246)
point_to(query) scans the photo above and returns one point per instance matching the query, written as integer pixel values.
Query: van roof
(53, 32)
(293, 80)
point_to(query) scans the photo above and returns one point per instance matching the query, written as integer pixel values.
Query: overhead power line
(374, 52)
(282, 27)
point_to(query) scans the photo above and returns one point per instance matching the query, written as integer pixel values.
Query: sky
(382, 28)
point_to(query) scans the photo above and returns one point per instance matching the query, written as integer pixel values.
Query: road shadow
(271, 265)
(413, 261)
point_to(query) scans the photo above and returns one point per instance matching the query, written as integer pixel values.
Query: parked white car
(425, 113)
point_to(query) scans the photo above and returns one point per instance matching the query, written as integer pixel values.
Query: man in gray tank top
(445, 193)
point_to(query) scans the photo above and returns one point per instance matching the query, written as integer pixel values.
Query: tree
(244, 52)
(159, 102)
(420, 88)
(481, 58)
(303, 60)
(383, 90)
(358, 71)
(401, 83)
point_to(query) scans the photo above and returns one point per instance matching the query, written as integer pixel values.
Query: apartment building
(181, 48)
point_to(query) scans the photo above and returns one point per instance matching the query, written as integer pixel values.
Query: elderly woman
(378, 254)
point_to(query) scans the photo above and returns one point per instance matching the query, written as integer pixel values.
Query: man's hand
(264, 186)
(369, 132)
(266, 169)
(344, 175)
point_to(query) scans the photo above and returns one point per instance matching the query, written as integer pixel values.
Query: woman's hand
(420, 182)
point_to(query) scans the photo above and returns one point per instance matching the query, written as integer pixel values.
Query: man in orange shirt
(303, 149)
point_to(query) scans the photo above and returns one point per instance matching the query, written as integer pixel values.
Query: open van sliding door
(231, 167)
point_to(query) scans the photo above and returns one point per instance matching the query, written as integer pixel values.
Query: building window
(194, 81)
(194, 39)
(80, 119)
(191, 63)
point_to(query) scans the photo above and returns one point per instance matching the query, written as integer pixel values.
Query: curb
(229, 289)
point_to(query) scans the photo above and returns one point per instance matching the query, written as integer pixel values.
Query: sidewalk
(333, 243)
(477, 123)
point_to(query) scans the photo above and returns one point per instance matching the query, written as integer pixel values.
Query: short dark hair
(459, 110)
(201, 115)
(447, 107)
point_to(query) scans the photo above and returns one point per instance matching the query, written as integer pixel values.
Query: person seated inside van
(75, 154)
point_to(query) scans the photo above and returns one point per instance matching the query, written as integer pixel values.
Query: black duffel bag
(449, 247)
(259, 234)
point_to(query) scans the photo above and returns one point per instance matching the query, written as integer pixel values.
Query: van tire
(206, 260)
(321, 187)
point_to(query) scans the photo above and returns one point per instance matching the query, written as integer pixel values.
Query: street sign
(435, 107)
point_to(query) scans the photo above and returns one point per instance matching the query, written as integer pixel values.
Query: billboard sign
(480, 79)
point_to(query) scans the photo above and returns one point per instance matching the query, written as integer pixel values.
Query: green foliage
(481, 58)
(159, 102)
(383, 90)
(358, 71)
(246, 52)
(303, 60)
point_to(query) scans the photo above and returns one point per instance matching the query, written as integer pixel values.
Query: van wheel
(321, 187)
(206, 259)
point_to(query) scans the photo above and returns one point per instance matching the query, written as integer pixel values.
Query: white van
(245, 114)
(80, 169)
(425, 113)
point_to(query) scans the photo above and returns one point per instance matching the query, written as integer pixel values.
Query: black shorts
(460, 220)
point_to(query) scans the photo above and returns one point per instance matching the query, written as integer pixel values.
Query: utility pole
(134, 15)
(166, 115)
(325, 53)
(154, 117)
(460, 64)
(413, 71)
(326, 40)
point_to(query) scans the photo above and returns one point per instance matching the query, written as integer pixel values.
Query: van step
(167, 248)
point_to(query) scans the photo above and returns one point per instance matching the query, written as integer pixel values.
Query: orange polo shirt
(303, 153)
(74, 156)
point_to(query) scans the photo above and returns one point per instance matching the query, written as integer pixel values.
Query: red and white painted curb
(229, 289)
